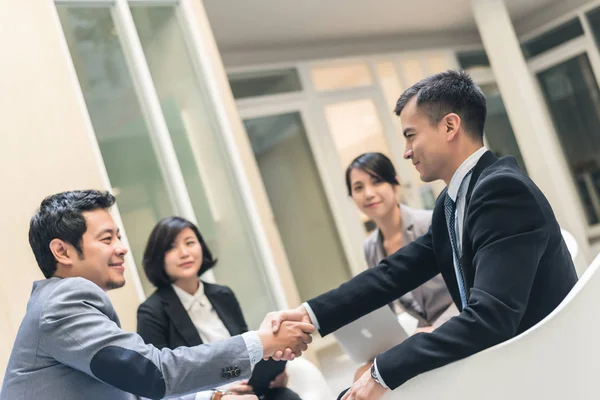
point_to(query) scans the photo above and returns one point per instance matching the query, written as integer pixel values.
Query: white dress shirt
(203, 315)
(457, 189)
(211, 329)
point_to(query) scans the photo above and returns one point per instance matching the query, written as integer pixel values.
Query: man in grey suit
(70, 344)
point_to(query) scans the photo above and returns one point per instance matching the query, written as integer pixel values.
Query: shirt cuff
(311, 314)
(205, 395)
(254, 347)
(379, 378)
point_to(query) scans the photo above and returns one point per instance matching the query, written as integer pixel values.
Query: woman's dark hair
(375, 164)
(160, 241)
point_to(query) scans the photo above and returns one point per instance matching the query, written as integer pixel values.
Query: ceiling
(260, 24)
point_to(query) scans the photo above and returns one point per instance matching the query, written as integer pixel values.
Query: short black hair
(60, 216)
(160, 241)
(375, 164)
(449, 92)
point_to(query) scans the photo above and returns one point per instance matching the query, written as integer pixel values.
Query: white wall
(45, 147)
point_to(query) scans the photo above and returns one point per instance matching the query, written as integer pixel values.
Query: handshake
(285, 334)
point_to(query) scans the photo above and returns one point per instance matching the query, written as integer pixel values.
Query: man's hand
(241, 388)
(425, 329)
(365, 389)
(289, 342)
(239, 397)
(280, 381)
(274, 321)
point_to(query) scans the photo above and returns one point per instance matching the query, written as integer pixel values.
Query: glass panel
(498, 131)
(341, 76)
(473, 59)
(262, 83)
(216, 204)
(594, 20)
(438, 63)
(299, 203)
(355, 128)
(572, 94)
(557, 36)
(413, 71)
(409, 177)
(120, 128)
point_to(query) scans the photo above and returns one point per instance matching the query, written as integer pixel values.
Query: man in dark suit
(494, 239)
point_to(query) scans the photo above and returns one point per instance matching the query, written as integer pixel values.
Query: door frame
(328, 167)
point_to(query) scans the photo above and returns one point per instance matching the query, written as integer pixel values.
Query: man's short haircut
(449, 92)
(60, 216)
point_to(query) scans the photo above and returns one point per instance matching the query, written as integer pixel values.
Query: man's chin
(115, 284)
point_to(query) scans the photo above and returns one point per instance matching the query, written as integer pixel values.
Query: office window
(594, 20)
(342, 76)
(123, 137)
(552, 38)
(263, 83)
(572, 94)
(472, 59)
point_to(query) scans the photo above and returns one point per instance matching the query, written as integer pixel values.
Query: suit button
(223, 375)
(238, 372)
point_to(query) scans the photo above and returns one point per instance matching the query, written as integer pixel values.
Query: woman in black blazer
(184, 310)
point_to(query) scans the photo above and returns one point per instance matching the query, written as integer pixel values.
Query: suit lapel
(485, 161)
(179, 317)
(222, 304)
(466, 260)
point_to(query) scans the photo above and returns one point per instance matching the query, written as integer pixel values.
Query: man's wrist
(311, 315)
(218, 394)
(376, 376)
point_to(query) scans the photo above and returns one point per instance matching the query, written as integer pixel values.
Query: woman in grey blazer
(373, 185)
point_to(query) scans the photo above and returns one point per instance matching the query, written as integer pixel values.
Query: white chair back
(559, 358)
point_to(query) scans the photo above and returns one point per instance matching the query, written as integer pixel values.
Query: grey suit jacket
(431, 302)
(70, 346)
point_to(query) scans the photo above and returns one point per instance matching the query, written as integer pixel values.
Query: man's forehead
(99, 220)
(410, 109)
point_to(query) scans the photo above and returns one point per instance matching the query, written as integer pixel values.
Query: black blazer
(516, 266)
(163, 322)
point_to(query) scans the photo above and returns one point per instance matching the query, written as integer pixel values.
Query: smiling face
(102, 257)
(373, 196)
(184, 259)
(426, 142)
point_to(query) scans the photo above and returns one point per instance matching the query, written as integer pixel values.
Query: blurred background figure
(186, 311)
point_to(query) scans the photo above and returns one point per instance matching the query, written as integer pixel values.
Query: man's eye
(107, 239)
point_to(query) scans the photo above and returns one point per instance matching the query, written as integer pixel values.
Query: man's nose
(121, 249)
(408, 153)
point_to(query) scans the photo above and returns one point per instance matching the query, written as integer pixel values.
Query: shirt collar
(462, 172)
(188, 300)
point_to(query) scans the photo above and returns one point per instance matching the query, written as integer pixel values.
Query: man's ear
(451, 123)
(61, 251)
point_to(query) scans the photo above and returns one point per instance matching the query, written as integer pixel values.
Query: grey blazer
(70, 346)
(430, 303)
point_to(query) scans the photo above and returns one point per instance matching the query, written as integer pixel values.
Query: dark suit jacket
(516, 266)
(163, 322)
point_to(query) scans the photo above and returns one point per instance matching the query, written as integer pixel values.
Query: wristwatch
(374, 374)
(218, 394)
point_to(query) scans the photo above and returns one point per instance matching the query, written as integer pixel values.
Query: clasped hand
(286, 334)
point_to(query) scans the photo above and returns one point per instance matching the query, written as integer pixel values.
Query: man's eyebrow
(108, 230)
